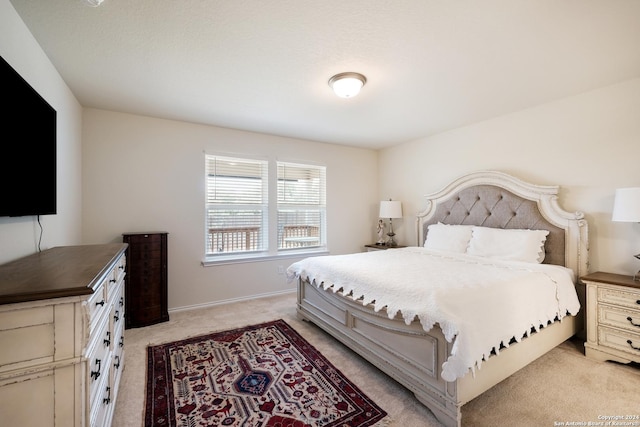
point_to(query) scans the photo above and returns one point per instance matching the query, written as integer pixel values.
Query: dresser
(613, 317)
(146, 280)
(62, 336)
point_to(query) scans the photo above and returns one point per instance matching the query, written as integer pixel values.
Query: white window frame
(241, 194)
(270, 223)
(301, 196)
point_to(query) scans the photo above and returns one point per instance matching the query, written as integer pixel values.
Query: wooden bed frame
(414, 357)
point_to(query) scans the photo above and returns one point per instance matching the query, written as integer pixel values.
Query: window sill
(240, 259)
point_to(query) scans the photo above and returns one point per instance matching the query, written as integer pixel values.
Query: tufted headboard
(497, 200)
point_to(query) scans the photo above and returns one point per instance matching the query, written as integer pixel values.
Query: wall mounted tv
(27, 150)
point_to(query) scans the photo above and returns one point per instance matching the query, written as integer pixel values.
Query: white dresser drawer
(97, 306)
(116, 293)
(619, 318)
(619, 340)
(118, 342)
(622, 297)
(98, 358)
(117, 363)
(117, 314)
(111, 284)
(120, 267)
(102, 402)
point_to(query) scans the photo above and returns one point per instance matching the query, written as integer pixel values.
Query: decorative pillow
(450, 238)
(513, 245)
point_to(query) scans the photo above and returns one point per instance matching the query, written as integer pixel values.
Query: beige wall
(588, 144)
(137, 173)
(145, 174)
(22, 236)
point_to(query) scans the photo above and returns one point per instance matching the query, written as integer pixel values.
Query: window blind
(301, 205)
(237, 205)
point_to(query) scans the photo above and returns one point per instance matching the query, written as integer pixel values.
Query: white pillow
(513, 245)
(450, 238)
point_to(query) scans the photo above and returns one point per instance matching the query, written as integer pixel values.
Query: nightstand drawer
(619, 317)
(619, 340)
(625, 298)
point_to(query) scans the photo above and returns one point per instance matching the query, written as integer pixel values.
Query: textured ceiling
(263, 65)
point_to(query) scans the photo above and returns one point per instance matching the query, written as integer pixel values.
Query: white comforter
(481, 303)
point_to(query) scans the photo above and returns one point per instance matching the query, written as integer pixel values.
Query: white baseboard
(230, 301)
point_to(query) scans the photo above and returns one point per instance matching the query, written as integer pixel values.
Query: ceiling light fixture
(94, 3)
(347, 85)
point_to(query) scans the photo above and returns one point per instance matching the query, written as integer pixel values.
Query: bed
(422, 350)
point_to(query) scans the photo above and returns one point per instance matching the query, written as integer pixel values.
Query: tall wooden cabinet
(62, 336)
(146, 279)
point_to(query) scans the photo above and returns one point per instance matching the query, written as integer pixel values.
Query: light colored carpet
(560, 387)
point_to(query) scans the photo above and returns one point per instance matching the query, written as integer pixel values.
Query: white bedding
(479, 303)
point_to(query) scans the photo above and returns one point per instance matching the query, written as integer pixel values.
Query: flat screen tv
(27, 148)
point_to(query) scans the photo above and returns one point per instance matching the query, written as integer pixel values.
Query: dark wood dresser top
(57, 272)
(612, 278)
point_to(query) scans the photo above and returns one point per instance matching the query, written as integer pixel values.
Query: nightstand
(613, 317)
(373, 247)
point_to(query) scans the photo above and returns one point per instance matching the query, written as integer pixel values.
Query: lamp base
(391, 242)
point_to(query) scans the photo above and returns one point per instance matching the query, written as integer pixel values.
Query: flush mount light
(94, 3)
(347, 85)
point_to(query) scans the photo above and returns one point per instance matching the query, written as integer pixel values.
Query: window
(301, 206)
(241, 223)
(237, 205)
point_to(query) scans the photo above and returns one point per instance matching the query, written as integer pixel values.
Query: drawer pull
(121, 343)
(107, 399)
(107, 340)
(121, 301)
(116, 316)
(121, 267)
(96, 374)
(100, 303)
(112, 281)
(631, 345)
(638, 301)
(117, 364)
(631, 321)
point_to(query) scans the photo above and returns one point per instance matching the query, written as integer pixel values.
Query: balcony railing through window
(247, 239)
(238, 239)
(299, 236)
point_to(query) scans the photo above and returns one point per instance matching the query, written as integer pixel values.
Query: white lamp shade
(390, 209)
(626, 206)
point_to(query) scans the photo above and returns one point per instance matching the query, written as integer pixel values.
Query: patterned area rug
(265, 375)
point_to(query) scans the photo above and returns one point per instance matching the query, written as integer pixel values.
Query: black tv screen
(27, 150)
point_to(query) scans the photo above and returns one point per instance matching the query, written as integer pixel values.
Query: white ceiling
(263, 65)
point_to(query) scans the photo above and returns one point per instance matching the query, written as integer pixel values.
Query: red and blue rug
(264, 375)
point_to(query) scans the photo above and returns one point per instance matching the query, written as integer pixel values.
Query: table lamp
(391, 209)
(626, 208)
